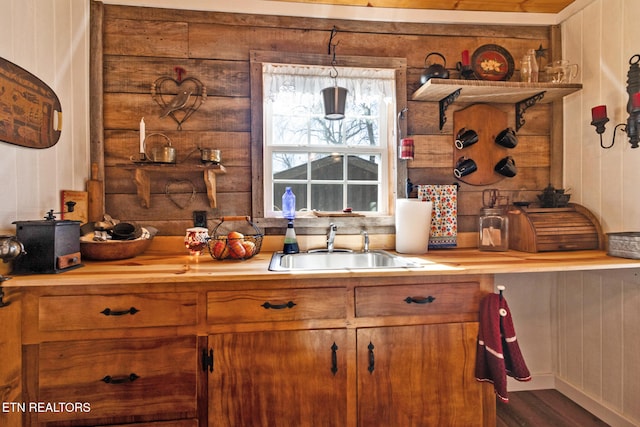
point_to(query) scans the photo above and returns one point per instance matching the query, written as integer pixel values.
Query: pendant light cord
(331, 49)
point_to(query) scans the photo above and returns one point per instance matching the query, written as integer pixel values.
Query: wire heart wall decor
(179, 98)
(181, 192)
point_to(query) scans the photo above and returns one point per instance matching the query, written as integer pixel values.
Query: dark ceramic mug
(123, 231)
(466, 138)
(507, 138)
(506, 167)
(464, 167)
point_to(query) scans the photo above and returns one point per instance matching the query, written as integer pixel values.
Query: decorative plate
(492, 62)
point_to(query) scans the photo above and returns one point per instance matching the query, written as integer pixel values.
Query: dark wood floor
(542, 408)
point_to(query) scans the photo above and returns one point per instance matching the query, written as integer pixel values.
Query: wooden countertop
(162, 268)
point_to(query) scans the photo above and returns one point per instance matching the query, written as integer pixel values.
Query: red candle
(599, 113)
(465, 58)
(635, 100)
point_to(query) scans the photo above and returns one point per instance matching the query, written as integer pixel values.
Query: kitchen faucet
(365, 245)
(331, 237)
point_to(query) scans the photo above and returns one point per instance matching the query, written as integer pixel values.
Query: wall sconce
(599, 113)
(334, 97)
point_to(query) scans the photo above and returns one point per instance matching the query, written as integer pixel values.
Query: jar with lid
(493, 229)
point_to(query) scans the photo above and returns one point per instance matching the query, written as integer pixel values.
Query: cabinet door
(279, 378)
(418, 376)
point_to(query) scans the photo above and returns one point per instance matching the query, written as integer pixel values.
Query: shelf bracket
(523, 106)
(210, 183)
(142, 179)
(143, 187)
(444, 104)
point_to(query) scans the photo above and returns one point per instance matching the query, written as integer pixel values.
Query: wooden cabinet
(418, 300)
(404, 356)
(350, 351)
(281, 378)
(89, 312)
(422, 372)
(288, 377)
(110, 358)
(10, 358)
(419, 375)
(279, 305)
(125, 379)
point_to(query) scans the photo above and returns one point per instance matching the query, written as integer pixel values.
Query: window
(330, 164)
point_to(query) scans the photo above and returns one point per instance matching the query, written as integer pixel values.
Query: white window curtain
(306, 82)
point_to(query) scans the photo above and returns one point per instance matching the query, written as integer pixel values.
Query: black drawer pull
(267, 305)
(120, 380)
(420, 300)
(108, 312)
(372, 358)
(334, 359)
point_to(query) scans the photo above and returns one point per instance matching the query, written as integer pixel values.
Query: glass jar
(493, 229)
(529, 67)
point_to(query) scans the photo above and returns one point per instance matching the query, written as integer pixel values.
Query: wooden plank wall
(142, 44)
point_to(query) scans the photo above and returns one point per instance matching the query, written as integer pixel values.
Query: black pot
(434, 71)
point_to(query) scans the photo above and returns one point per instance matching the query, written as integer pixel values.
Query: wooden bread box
(570, 228)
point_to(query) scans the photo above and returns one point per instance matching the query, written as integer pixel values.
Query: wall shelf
(523, 95)
(142, 172)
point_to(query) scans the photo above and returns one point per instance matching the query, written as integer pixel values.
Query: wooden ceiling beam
(526, 6)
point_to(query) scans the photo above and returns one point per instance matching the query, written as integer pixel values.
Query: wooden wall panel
(145, 38)
(597, 353)
(143, 44)
(135, 74)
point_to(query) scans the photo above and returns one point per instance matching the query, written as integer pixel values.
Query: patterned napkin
(444, 215)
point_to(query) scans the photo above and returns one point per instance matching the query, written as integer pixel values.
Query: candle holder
(632, 127)
(466, 71)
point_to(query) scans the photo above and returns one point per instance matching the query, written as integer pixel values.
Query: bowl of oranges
(235, 244)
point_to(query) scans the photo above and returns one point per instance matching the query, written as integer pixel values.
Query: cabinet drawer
(119, 378)
(177, 423)
(276, 305)
(411, 300)
(83, 312)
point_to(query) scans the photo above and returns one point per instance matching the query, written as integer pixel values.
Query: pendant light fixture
(334, 97)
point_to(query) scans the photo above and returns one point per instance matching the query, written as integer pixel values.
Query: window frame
(381, 150)
(396, 167)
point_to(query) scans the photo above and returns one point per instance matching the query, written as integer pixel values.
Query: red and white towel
(498, 352)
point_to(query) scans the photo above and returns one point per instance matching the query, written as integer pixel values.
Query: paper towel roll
(413, 223)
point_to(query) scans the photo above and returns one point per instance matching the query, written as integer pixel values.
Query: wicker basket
(624, 245)
(233, 243)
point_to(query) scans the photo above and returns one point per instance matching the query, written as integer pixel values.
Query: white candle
(142, 135)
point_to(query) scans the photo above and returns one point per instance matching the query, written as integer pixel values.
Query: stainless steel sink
(337, 261)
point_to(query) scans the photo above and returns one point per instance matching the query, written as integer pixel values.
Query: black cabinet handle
(120, 380)
(267, 305)
(108, 312)
(2, 303)
(372, 359)
(334, 358)
(420, 300)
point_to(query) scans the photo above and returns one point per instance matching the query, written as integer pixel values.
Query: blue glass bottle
(288, 204)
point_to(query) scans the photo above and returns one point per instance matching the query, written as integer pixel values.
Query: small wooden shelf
(524, 95)
(143, 182)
